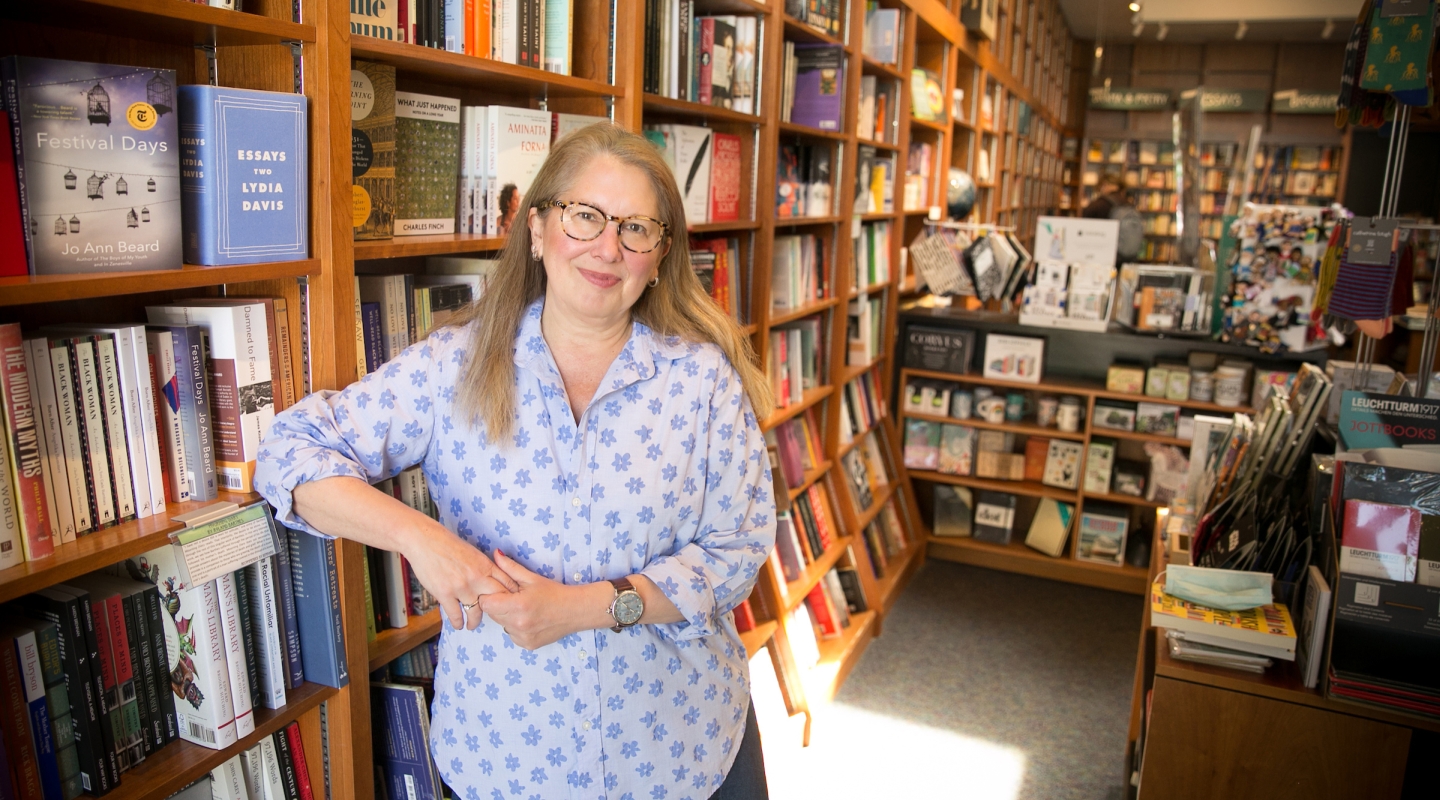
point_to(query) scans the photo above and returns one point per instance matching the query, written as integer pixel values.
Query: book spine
(287, 766)
(297, 757)
(199, 192)
(707, 51)
(125, 709)
(274, 781)
(8, 69)
(62, 527)
(265, 620)
(232, 635)
(15, 724)
(285, 362)
(77, 463)
(57, 476)
(312, 562)
(171, 419)
(212, 727)
(396, 591)
(143, 375)
(92, 428)
(106, 747)
(22, 655)
(247, 636)
(113, 421)
(289, 619)
(372, 620)
(144, 666)
(374, 354)
(23, 438)
(150, 600)
(12, 550)
(132, 419)
(197, 393)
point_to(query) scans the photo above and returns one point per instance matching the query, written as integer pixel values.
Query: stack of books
(1247, 640)
(707, 166)
(392, 592)
(274, 769)
(805, 529)
(530, 33)
(708, 60)
(395, 311)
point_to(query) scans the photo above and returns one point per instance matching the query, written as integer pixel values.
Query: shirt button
(586, 725)
(583, 654)
(574, 501)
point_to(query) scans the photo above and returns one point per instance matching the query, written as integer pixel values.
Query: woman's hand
(456, 572)
(543, 611)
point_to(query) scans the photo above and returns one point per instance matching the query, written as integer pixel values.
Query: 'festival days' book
(97, 159)
(244, 168)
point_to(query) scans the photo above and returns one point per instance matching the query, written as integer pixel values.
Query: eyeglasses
(584, 222)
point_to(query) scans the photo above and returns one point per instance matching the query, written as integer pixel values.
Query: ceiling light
(1240, 30)
(1134, 6)
(1162, 33)
(1139, 29)
(1329, 29)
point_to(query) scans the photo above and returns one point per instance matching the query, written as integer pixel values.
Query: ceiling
(1215, 20)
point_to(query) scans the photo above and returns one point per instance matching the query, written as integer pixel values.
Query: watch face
(628, 608)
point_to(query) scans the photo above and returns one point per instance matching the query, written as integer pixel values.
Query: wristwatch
(628, 607)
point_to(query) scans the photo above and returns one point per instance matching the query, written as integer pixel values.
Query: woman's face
(599, 279)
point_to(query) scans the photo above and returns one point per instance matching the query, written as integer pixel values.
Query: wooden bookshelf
(1016, 557)
(439, 244)
(839, 655)
(166, 21)
(758, 637)
(392, 643)
(31, 289)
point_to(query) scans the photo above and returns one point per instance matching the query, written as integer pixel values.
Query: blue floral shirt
(665, 475)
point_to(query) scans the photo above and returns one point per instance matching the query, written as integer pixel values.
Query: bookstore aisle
(987, 686)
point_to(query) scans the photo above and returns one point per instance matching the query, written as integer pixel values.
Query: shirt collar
(639, 360)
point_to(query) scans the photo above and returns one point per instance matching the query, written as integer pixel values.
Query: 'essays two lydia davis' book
(97, 160)
(243, 179)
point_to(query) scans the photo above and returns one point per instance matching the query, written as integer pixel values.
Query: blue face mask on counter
(1225, 589)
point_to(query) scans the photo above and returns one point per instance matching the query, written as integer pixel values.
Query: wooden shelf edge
(458, 66)
(782, 316)
(1018, 558)
(812, 396)
(430, 245)
(796, 590)
(1018, 428)
(877, 503)
(1027, 488)
(811, 476)
(29, 289)
(102, 548)
(392, 643)
(758, 637)
(161, 20)
(674, 105)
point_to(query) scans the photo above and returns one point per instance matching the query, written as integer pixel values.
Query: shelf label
(1122, 99)
(1294, 101)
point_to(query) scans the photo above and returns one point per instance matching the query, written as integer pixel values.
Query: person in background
(589, 429)
(1112, 203)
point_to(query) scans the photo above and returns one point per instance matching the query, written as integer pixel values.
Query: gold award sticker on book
(141, 116)
(359, 206)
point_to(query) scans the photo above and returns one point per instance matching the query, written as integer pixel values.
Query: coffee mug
(1015, 406)
(991, 409)
(1045, 411)
(961, 403)
(1067, 418)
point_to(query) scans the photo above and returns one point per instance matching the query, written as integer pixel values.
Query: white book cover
(57, 486)
(11, 553)
(242, 394)
(265, 622)
(227, 781)
(517, 143)
(111, 401)
(565, 124)
(139, 425)
(149, 414)
(93, 428)
(195, 645)
(397, 590)
(253, 760)
(167, 419)
(509, 38)
(232, 631)
(464, 201)
(691, 145)
(743, 87)
(274, 783)
(67, 412)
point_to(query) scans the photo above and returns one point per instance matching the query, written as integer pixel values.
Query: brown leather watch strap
(622, 585)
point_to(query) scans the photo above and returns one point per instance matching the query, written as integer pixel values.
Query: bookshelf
(262, 48)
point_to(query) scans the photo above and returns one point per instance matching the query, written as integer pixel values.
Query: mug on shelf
(991, 409)
(962, 404)
(1045, 411)
(1016, 406)
(1067, 417)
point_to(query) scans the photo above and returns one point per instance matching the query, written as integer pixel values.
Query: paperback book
(427, 161)
(372, 150)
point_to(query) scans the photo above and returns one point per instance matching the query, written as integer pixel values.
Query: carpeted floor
(984, 686)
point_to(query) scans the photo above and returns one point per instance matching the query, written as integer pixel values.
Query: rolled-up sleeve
(371, 430)
(711, 574)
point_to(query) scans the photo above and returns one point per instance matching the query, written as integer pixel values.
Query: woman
(591, 427)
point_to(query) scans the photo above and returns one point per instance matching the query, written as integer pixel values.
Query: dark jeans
(746, 780)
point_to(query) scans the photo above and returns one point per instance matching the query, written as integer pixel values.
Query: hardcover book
(97, 159)
(691, 146)
(922, 444)
(957, 449)
(317, 600)
(375, 18)
(1062, 464)
(427, 161)
(725, 178)
(953, 510)
(994, 517)
(34, 512)
(401, 718)
(243, 183)
(819, 86)
(1102, 538)
(1380, 540)
(1050, 527)
(372, 150)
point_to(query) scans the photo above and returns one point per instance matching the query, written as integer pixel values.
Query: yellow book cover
(1267, 624)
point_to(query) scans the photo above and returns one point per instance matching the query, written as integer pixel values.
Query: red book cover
(24, 440)
(819, 503)
(15, 722)
(707, 51)
(12, 236)
(1380, 540)
(744, 617)
(107, 651)
(725, 178)
(297, 754)
(824, 615)
(119, 639)
(791, 467)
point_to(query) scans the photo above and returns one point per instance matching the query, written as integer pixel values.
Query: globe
(960, 194)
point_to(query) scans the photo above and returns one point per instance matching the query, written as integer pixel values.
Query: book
(517, 143)
(244, 185)
(1266, 630)
(994, 516)
(882, 35)
(819, 86)
(317, 600)
(90, 425)
(76, 222)
(1099, 463)
(54, 467)
(33, 510)
(169, 418)
(401, 726)
(1062, 464)
(1380, 540)
(239, 371)
(232, 629)
(1050, 527)
(12, 234)
(427, 161)
(1314, 622)
(1102, 537)
(558, 22)
(89, 641)
(377, 18)
(922, 444)
(954, 510)
(372, 134)
(691, 149)
(118, 658)
(191, 346)
(725, 178)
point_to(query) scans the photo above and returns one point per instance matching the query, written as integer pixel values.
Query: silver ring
(471, 605)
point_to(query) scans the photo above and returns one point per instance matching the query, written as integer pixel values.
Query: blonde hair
(676, 306)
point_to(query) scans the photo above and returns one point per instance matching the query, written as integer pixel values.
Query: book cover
(244, 178)
(1062, 464)
(1380, 540)
(315, 578)
(401, 726)
(725, 178)
(375, 18)
(517, 142)
(882, 27)
(1099, 463)
(954, 510)
(12, 234)
(1050, 527)
(97, 155)
(239, 372)
(922, 444)
(169, 423)
(1267, 626)
(692, 147)
(994, 517)
(33, 509)
(427, 161)
(559, 16)
(819, 86)
(56, 471)
(195, 649)
(1102, 538)
(372, 149)
(1314, 621)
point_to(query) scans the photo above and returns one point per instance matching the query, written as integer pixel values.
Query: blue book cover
(374, 354)
(290, 625)
(97, 160)
(243, 175)
(316, 580)
(401, 723)
(27, 655)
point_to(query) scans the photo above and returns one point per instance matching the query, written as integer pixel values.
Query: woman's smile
(600, 279)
